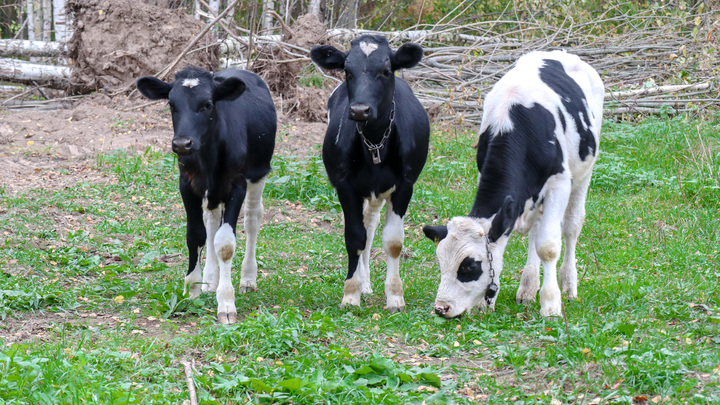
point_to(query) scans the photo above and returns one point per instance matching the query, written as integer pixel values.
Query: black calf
(224, 125)
(374, 150)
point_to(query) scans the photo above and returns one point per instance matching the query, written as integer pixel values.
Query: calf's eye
(469, 270)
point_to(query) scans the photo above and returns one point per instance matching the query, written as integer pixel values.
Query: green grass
(92, 310)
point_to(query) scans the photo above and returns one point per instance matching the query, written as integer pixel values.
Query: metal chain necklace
(492, 288)
(375, 148)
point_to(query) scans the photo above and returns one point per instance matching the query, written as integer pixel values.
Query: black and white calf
(224, 125)
(537, 147)
(374, 150)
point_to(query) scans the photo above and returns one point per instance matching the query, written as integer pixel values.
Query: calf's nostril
(182, 146)
(359, 112)
(442, 309)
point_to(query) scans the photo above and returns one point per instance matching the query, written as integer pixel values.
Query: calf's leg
(371, 218)
(572, 226)
(224, 244)
(253, 221)
(195, 236)
(549, 242)
(393, 237)
(211, 218)
(530, 279)
(355, 243)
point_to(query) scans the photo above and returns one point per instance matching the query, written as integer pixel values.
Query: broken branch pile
(647, 52)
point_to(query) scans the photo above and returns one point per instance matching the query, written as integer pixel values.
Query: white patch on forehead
(368, 47)
(191, 82)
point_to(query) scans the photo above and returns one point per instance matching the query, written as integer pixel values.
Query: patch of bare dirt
(49, 326)
(56, 149)
(53, 150)
(117, 41)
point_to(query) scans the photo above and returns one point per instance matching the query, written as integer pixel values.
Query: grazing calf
(374, 150)
(224, 125)
(537, 147)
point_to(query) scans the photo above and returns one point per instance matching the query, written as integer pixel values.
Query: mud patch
(117, 41)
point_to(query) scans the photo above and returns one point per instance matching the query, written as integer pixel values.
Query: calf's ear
(504, 220)
(435, 233)
(153, 88)
(227, 88)
(328, 57)
(407, 56)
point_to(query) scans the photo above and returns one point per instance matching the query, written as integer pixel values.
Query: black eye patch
(469, 270)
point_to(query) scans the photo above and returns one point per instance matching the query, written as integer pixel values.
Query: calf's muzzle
(359, 112)
(442, 309)
(182, 146)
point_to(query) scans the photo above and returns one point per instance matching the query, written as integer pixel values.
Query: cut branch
(13, 70)
(19, 47)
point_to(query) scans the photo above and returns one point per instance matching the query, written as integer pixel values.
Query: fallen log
(18, 71)
(10, 89)
(655, 90)
(19, 47)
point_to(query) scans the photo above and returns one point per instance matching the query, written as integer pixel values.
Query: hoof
(350, 303)
(207, 288)
(570, 294)
(227, 318)
(353, 300)
(247, 286)
(524, 300)
(551, 309)
(393, 310)
(194, 292)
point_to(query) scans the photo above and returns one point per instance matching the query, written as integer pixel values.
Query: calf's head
(192, 97)
(369, 67)
(466, 249)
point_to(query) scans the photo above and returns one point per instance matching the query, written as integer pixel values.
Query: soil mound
(300, 98)
(117, 41)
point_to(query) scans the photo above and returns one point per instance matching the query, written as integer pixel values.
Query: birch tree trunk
(47, 20)
(314, 8)
(348, 14)
(197, 10)
(60, 21)
(230, 20)
(37, 19)
(30, 9)
(214, 7)
(267, 19)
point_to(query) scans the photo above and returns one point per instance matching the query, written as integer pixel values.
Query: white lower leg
(210, 272)
(568, 270)
(353, 288)
(393, 237)
(371, 218)
(194, 279)
(572, 226)
(530, 279)
(225, 250)
(253, 221)
(550, 299)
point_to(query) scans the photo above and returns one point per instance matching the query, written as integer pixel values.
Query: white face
(464, 266)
